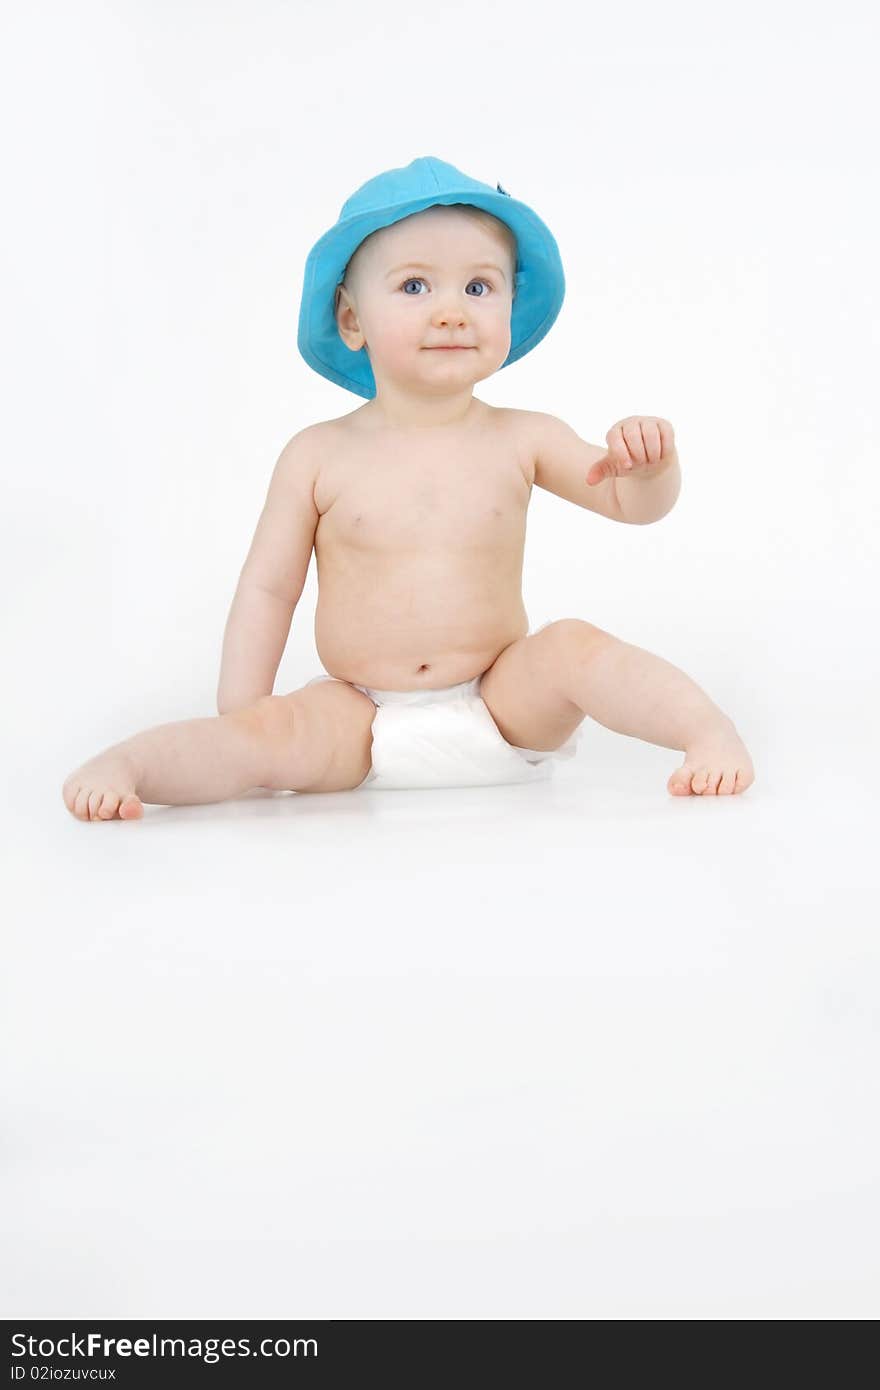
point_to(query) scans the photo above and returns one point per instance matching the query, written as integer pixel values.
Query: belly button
(424, 668)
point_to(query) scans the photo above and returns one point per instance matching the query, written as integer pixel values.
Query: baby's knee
(574, 632)
(310, 741)
(270, 716)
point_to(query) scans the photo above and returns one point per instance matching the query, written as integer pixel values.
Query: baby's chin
(476, 362)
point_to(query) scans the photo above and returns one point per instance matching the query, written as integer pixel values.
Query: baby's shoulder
(310, 445)
(311, 436)
(324, 434)
(524, 427)
(525, 422)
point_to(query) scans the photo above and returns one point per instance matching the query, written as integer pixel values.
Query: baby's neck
(442, 415)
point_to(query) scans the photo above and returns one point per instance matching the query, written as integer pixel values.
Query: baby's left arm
(636, 479)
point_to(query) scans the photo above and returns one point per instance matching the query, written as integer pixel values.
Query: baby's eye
(417, 280)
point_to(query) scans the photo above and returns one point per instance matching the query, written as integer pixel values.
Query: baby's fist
(638, 446)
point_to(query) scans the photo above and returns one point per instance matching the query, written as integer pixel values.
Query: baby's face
(430, 282)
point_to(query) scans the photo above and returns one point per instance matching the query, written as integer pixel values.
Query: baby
(415, 505)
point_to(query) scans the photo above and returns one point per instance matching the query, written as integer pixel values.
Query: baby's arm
(562, 462)
(271, 579)
(641, 482)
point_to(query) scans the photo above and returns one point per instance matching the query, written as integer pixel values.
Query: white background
(577, 1050)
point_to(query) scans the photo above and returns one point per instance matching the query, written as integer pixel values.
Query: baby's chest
(453, 511)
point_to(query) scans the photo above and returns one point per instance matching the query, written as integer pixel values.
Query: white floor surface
(572, 1050)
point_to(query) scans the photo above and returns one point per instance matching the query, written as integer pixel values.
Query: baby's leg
(317, 739)
(185, 763)
(634, 692)
(541, 686)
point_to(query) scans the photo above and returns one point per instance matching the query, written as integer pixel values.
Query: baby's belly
(421, 629)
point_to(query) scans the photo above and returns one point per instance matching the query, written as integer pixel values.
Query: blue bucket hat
(389, 197)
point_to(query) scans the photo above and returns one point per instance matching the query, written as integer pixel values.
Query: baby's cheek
(502, 330)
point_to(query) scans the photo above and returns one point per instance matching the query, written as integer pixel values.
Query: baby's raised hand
(637, 446)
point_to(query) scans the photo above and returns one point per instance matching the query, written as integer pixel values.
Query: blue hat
(539, 278)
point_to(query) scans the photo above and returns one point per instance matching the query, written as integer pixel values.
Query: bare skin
(419, 549)
(416, 507)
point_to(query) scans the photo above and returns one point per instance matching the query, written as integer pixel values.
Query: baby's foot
(716, 763)
(103, 788)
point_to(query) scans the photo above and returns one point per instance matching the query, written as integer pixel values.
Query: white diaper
(447, 738)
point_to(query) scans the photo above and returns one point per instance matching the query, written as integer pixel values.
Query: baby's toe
(132, 808)
(727, 785)
(679, 783)
(81, 803)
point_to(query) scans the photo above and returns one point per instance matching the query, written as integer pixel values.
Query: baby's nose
(450, 313)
